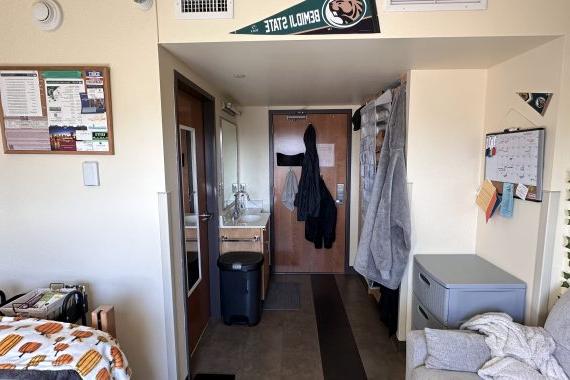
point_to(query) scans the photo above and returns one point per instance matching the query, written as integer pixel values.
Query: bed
(38, 349)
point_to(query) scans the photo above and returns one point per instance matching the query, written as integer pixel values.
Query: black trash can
(240, 286)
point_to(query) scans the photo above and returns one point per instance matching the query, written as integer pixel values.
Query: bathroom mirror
(229, 152)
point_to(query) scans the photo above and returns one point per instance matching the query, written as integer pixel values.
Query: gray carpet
(283, 296)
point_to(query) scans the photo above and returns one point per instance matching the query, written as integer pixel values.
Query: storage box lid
(466, 271)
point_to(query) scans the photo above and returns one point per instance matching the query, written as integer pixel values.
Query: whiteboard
(518, 159)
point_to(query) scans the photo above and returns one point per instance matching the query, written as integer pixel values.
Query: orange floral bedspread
(29, 343)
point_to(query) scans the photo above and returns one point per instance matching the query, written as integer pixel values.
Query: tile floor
(285, 344)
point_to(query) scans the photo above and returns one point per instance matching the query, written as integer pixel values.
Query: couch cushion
(423, 373)
(558, 324)
(456, 350)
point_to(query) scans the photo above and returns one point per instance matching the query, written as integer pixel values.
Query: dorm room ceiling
(313, 72)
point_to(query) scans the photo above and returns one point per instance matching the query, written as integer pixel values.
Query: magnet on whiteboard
(91, 173)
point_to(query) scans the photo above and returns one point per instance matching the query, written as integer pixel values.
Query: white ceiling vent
(435, 5)
(204, 9)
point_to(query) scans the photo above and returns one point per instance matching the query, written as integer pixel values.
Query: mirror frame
(221, 182)
(190, 290)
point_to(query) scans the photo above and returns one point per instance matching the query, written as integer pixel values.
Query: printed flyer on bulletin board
(56, 111)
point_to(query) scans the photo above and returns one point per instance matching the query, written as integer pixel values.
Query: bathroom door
(292, 253)
(192, 159)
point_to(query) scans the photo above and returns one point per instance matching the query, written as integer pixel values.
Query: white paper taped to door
(326, 155)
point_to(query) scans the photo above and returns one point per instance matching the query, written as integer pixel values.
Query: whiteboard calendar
(516, 157)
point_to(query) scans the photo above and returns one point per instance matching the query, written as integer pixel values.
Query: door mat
(283, 296)
(210, 376)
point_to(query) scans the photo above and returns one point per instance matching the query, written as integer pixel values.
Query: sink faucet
(236, 211)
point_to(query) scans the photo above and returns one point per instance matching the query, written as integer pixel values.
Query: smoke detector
(145, 5)
(47, 15)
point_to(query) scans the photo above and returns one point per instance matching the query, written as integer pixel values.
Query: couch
(557, 323)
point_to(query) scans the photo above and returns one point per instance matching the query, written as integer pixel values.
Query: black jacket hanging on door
(308, 198)
(321, 229)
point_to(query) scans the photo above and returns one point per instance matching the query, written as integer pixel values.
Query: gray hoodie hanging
(290, 190)
(384, 243)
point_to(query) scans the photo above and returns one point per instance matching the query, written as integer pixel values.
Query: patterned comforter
(40, 345)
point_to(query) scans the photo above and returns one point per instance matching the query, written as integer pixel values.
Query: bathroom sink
(190, 220)
(250, 218)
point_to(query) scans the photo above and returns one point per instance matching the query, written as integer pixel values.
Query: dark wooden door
(193, 188)
(292, 253)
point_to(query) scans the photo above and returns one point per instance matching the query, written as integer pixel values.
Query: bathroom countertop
(240, 223)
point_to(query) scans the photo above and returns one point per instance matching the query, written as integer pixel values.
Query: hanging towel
(308, 197)
(384, 243)
(507, 201)
(290, 190)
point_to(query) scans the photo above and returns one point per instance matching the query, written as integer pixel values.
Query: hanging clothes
(357, 119)
(388, 307)
(321, 230)
(374, 115)
(290, 190)
(308, 198)
(384, 243)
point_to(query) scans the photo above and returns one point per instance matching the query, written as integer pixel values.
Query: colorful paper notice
(487, 199)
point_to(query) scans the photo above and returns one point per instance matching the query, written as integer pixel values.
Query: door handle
(205, 217)
(339, 193)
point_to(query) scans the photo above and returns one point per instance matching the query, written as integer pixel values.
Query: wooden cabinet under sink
(249, 239)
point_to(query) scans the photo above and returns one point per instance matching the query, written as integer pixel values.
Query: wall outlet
(235, 188)
(242, 187)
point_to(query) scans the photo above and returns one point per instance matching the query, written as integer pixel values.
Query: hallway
(335, 332)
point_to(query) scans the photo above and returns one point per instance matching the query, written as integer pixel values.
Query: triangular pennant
(538, 101)
(320, 17)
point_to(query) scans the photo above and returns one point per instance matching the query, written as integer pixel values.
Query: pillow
(456, 350)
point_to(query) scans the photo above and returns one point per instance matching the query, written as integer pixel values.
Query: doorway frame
(347, 186)
(183, 84)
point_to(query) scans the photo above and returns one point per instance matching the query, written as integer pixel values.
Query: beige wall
(172, 255)
(52, 228)
(445, 129)
(561, 178)
(503, 17)
(513, 244)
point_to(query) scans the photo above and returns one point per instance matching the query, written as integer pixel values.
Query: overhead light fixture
(47, 15)
(145, 5)
(239, 76)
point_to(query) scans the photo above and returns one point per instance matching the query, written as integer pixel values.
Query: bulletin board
(516, 157)
(56, 110)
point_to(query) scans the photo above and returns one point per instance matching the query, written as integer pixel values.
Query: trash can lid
(244, 261)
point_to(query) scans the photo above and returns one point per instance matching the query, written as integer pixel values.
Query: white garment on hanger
(290, 190)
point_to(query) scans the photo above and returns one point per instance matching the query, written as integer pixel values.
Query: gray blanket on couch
(517, 352)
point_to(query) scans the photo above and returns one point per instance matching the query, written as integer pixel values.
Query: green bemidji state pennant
(320, 17)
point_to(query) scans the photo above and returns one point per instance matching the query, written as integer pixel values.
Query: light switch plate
(91, 173)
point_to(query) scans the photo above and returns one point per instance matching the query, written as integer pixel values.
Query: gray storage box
(454, 288)
(422, 318)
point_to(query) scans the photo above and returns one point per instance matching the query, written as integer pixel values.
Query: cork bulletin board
(56, 110)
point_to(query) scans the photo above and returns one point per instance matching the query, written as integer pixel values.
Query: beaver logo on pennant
(343, 13)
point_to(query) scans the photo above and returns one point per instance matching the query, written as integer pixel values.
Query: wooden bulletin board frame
(105, 70)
